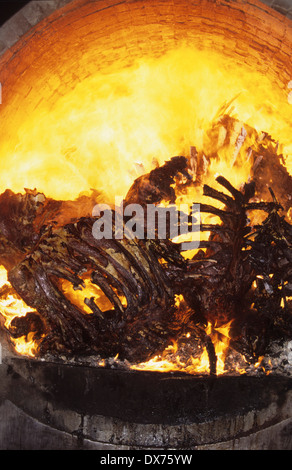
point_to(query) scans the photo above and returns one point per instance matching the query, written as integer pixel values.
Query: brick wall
(106, 34)
(37, 10)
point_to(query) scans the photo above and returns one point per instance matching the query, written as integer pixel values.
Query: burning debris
(145, 299)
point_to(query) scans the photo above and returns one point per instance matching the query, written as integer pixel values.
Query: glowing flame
(194, 365)
(12, 306)
(111, 127)
(25, 346)
(78, 297)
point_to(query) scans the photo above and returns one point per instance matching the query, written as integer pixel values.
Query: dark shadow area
(8, 8)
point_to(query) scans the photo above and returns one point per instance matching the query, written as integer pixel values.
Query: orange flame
(12, 306)
(111, 128)
(194, 365)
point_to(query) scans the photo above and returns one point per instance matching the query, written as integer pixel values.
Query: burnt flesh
(244, 274)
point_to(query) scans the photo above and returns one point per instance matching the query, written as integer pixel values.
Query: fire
(78, 297)
(170, 360)
(221, 339)
(111, 127)
(25, 346)
(12, 306)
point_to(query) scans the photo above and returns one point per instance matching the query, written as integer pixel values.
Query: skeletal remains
(242, 273)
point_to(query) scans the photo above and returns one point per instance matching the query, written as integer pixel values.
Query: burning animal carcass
(139, 298)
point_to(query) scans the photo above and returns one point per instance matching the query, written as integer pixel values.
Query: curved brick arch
(91, 35)
(37, 10)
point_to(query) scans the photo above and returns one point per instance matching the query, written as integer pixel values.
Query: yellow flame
(12, 306)
(25, 346)
(78, 296)
(194, 365)
(111, 127)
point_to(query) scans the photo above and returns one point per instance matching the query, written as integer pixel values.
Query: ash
(278, 361)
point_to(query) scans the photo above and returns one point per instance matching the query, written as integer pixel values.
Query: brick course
(106, 34)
